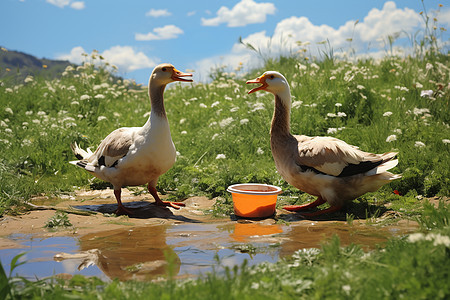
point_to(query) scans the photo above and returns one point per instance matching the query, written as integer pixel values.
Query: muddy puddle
(188, 242)
(143, 252)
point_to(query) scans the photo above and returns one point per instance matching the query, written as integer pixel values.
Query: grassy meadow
(222, 137)
(222, 134)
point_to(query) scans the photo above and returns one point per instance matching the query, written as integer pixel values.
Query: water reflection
(139, 253)
(243, 231)
(314, 234)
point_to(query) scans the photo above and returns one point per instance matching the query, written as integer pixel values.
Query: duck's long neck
(156, 95)
(281, 116)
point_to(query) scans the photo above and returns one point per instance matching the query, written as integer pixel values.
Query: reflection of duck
(326, 167)
(137, 155)
(135, 253)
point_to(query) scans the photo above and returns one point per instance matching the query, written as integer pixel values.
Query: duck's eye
(272, 76)
(164, 69)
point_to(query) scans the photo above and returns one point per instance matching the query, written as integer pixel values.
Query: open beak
(261, 80)
(178, 76)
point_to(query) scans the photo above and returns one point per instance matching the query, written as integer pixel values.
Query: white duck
(131, 156)
(325, 167)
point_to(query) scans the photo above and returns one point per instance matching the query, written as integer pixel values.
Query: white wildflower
(202, 105)
(193, 99)
(36, 121)
(69, 69)
(387, 114)
(215, 104)
(347, 288)
(315, 66)
(420, 111)
(419, 85)
(397, 131)
(29, 112)
(446, 141)
(221, 156)
(332, 77)
(116, 114)
(229, 98)
(391, 138)
(401, 88)
(338, 104)
(419, 144)
(183, 132)
(260, 151)
(234, 109)
(85, 97)
(254, 286)
(341, 114)
(26, 142)
(28, 79)
(301, 67)
(3, 123)
(101, 118)
(439, 239)
(99, 96)
(226, 122)
(214, 136)
(416, 237)
(428, 66)
(244, 121)
(8, 130)
(182, 121)
(9, 110)
(360, 87)
(258, 106)
(426, 93)
(331, 115)
(9, 90)
(75, 103)
(296, 104)
(331, 130)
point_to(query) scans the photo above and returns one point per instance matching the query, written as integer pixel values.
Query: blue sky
(200, 35)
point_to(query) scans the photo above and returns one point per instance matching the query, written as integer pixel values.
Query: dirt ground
(102, 204)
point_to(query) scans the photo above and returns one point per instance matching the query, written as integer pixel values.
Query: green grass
(41, 118)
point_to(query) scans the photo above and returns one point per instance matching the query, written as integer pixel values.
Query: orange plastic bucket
(254, 200)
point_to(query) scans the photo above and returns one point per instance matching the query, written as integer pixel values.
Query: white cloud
(160, 33)
(78, 5)
(366, 36)
(158, 13)
(75, 56)
(244, 13)
(124, 57)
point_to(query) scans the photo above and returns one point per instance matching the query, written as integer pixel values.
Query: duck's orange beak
(261, 80)
(178, 76)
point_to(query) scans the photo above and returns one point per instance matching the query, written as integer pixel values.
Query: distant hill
(18, 65)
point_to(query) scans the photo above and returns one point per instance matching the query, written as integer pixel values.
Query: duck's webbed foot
(318, 202)
(159, 202)
(121, 209)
